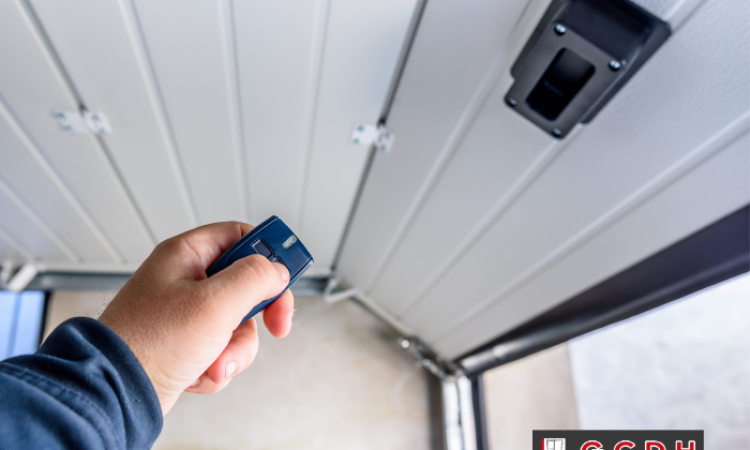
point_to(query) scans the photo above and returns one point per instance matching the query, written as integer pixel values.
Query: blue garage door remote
(274, 240)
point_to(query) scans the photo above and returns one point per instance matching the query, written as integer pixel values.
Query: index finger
(278, 315)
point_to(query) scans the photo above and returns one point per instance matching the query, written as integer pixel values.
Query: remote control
(274, 240)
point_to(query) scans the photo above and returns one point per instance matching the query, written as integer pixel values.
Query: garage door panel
(276, 58)
(363, 42)
(21, 173)
(220, 110)
(28, 231)
(101, 46)
(446, 273)
(714, 189)
(30, 89)
(191, 48)
(10, 250)
(451, 57)
(496, 153)
(596, 172)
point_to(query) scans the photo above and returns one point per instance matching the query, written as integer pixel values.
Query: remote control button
(262, 248)
(278, 260)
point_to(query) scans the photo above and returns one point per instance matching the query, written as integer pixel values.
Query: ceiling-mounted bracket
(580, 54)
(77, 122)
(372, 134)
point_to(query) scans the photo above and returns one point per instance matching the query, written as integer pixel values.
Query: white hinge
(372, 134)
(74, 122)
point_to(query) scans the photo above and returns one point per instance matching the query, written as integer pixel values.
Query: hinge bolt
(615, 65)
(560, 29)
(512, 102)
(556, 132)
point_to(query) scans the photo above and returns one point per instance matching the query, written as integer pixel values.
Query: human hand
(182, 326)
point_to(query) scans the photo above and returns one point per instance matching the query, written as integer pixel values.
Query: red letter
(691, 445)
(593, 445)
(650, 444)
(628, 445)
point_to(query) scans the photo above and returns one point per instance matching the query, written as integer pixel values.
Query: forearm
(84, 388)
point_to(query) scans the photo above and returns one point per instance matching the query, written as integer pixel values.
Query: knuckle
(163, 245)
(172, 245)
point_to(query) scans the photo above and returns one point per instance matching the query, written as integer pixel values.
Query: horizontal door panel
(479, 206)
(647, 128)
(449, 69)
(22, 175)
(30, 88)
(9, 250)
(363, 42)
(276, 62)
(22, 227)
(191, 47)
(713, 190)
(496, 160)
(101, 46)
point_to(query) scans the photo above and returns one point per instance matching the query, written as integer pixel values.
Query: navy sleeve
(83, 389)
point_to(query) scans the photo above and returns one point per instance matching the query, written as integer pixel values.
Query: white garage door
(478, 220)
(220, 110)
(475, 222)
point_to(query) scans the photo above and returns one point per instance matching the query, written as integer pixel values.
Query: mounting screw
(69, 130)
(360, 128)
(60, 116)
(356, 141)
(560, 29)
(512, 102)
(556, 132)
(615, 65)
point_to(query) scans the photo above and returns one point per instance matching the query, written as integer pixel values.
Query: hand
(182, 326)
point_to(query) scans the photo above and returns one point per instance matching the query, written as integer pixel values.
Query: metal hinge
(430, 360)
(75, 122)
(372, 134)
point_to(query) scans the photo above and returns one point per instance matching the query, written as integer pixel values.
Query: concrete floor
(338, 381)
(534, 393)
(66, 304)
(685, 365)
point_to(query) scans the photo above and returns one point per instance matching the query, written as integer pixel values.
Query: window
(21, 322)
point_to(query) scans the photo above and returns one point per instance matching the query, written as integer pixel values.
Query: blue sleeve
(83, 389)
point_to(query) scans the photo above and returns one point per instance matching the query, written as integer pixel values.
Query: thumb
(245, 283)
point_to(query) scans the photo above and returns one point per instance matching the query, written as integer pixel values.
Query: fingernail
(230, 369)
(196, 382)
(282, 271)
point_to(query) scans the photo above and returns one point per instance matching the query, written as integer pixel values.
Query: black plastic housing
(579, 55)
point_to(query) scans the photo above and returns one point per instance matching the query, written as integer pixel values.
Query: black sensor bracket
(579, 55)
